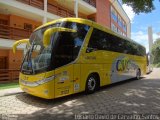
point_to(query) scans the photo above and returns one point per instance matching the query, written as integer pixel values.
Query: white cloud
(142, 38)
(142, 28)
(129, 12)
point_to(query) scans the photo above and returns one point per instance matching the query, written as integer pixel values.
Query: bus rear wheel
(91, 84)
(138, 74)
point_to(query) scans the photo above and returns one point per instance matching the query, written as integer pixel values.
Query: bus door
(64, 80)
(64, 64)
(67, 80)
(65, 52)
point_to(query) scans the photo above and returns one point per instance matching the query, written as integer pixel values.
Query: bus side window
(97, 40)
(101, 40)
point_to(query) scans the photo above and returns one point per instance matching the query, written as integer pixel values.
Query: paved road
(130, 97)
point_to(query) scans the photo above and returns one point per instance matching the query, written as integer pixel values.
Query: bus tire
(138, 74)
(92, 83)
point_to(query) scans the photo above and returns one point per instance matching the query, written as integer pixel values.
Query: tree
(156, 52)
(140, 6)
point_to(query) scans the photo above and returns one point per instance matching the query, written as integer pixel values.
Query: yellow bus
(72, 55)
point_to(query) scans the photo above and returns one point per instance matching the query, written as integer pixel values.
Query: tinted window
(105, 41)
(68, 44)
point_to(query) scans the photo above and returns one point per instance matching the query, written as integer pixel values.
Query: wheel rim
(91, 83)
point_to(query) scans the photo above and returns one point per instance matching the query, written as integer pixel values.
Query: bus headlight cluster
(36, 83)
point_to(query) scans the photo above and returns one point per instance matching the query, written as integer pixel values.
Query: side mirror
(49, 32)
(17, 43)
(88, 50)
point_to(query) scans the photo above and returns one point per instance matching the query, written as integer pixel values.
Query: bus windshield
(37, 57)
(64, 48)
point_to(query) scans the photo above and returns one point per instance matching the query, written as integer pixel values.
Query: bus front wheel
(92, 84)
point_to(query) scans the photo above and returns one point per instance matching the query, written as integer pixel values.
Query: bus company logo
(123, 64)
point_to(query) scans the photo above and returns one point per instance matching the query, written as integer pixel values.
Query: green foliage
(156, 65)
(140, 6)
(8, 85)
(156, 52)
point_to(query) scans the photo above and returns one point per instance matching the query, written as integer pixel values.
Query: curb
(10, 91)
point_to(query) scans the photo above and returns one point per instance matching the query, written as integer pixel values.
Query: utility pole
(158, 33)
(45, 12)
(150, 38)
(150, 41)
(76, 8)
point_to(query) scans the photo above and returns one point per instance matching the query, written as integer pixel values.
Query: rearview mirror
(17, 43)
(49, 32)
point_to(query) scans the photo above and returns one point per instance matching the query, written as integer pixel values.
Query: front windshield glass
(38, 57)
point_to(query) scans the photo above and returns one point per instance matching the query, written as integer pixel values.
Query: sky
(141, 22)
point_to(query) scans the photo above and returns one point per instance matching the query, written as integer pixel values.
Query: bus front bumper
(45, 90)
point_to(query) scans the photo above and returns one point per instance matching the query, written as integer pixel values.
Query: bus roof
(87, 22)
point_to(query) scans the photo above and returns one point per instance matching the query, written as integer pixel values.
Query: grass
(8, 85)
(156, 65)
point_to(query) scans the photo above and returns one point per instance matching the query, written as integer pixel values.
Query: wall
(3, 53)
(15, 60)
(4, 17)
(17, 21)
(103, 15)
(80, 15)
(123, 14)
(103, 12)
(91, 17)
(116, 22)
(3, 58)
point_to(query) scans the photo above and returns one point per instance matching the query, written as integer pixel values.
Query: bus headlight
(36, 83)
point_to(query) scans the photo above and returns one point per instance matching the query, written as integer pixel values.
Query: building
(18, 18)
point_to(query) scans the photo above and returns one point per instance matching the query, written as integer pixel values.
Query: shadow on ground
(132, 97)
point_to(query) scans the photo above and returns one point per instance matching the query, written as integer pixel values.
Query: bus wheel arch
(92, 83)
(138, 73)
